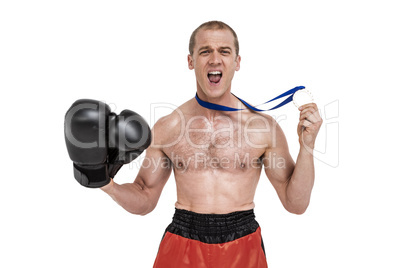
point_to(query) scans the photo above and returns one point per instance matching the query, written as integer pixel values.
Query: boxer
(217, 158)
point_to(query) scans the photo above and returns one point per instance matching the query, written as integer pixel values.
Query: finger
(311, 115)
(312, 108)
(306, 112)
(308, 105)
(305, 123)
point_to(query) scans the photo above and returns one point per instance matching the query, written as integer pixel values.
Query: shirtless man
(217, 158)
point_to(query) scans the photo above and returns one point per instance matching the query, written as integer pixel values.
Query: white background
(133, 55)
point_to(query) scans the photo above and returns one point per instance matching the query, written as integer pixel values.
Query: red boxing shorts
(212, 240)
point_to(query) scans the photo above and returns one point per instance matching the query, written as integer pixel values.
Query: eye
(227, 52)
(204, 52)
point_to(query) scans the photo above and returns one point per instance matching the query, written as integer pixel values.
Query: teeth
(215, 72)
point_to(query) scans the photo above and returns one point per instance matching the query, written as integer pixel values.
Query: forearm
(300, 184)
(131, 196)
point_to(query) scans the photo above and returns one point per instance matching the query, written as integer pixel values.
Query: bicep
(154, 172)
(278, 163)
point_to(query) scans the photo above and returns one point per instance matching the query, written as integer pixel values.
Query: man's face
(214, 61)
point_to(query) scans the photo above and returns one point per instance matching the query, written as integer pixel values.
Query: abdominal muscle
(216, 191)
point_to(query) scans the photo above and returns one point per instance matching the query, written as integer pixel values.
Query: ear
(190, 62)
(238, 59)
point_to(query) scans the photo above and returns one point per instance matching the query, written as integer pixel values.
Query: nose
(215, 58)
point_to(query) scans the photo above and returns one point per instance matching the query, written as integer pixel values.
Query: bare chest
(222, 145)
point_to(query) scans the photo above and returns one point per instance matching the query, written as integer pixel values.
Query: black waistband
(213, 228)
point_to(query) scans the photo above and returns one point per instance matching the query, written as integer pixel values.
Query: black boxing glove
(100, 142)
(129, 136)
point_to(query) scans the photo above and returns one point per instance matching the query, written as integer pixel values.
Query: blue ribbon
(213, 106)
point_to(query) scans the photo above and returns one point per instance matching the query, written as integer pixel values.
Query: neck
(226, 99)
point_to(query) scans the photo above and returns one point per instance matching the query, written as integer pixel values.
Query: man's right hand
(99, 142)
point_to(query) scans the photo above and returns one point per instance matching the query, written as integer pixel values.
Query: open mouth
(214, 77)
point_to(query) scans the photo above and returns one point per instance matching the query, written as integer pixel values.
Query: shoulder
(175, 118)
(170, 127)
(261, 129)
(258, 120)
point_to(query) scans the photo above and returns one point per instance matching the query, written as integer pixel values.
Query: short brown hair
(213, 25)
